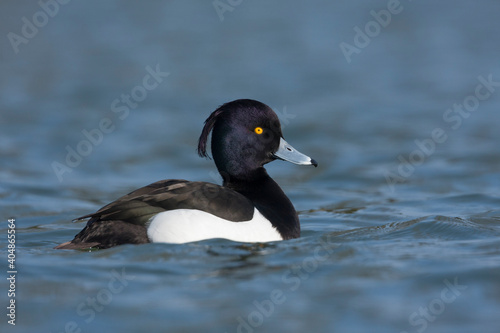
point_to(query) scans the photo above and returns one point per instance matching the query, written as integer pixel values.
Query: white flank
(191, 225)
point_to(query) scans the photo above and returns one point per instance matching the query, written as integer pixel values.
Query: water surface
(400, 221)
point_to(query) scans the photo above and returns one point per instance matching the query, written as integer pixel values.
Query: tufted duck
(248, 207)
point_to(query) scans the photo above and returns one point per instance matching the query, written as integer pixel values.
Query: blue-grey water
(400, 221)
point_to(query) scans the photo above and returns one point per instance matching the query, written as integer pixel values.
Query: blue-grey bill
(287, 153)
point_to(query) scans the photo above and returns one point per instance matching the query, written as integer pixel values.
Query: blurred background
(398, 101)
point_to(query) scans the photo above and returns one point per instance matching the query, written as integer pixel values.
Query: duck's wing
(124, 220)
(140, 205)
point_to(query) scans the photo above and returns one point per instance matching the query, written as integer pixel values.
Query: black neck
(270, 200)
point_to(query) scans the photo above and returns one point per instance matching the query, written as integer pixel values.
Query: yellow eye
(258, 130)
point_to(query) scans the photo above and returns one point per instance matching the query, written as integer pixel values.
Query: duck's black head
(246, 135)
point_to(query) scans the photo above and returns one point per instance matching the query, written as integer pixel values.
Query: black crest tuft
(209, 125)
